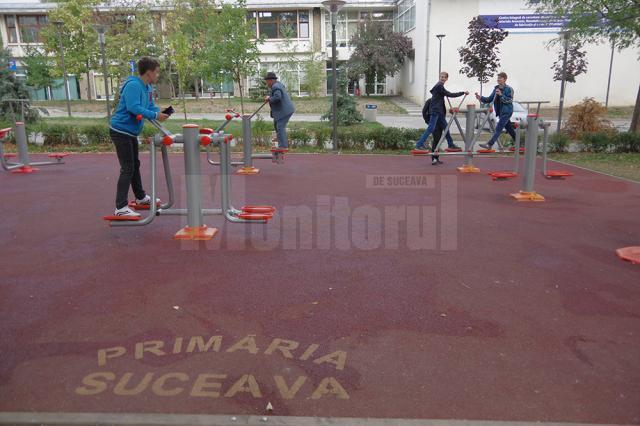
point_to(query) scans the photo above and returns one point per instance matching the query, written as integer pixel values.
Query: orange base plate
(248, 171)
(199, 233)
(468, 169)
(632, 254)
(527, 196)
(557, 174)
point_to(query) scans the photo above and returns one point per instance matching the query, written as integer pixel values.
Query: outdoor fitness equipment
(247, 168)
(23, 165)
(192, 138)
(550, 174)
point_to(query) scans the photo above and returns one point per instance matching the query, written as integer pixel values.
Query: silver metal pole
(469, 136)
(545, 140)
(530, 154)
(517, 152)
(334, 136)
(192, 175)
(21, 144)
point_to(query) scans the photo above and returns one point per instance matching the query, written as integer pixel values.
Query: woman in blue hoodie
(136, 98)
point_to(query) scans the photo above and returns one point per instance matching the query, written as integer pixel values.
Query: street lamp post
(333, 6)
(440, 37)
(565, 35)
(613, 48)
(59, 25)
(101, 29)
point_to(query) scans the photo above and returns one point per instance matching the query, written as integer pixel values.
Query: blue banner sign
(524, 21)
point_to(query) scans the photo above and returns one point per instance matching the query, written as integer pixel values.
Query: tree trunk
(184, 102)
(89, 97)
(635, 120)
(197, 88)
(241, 96)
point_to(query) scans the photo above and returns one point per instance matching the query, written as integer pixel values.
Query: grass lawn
(303, 105)
(622, 165)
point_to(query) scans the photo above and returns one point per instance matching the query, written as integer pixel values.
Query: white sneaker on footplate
(146, 200)
(126, 211)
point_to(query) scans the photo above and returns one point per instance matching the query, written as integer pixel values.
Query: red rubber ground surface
(514, 311)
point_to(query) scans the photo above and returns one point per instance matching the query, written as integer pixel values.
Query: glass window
(29, 26)
(303, 19)
(405, 18)
(11, 28)
(267, 24)
(287, 25)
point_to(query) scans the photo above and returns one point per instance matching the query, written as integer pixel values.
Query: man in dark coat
(438, 111)
(281, 107)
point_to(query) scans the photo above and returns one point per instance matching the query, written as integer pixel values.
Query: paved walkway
(404, 120)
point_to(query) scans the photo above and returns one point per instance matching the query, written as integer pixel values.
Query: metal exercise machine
(23, 165)
(192, 138)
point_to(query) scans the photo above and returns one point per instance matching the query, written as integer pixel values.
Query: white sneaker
(126, 211)
(146, 201)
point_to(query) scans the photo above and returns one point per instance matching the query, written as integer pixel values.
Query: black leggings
(127, 150)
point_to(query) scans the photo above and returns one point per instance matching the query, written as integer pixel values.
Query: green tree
(234, 49)
(12, 88)
(38, 66)
(378, 52)
(480, 55)
(348, 113)
(600, 21)
(79, 38)
(315, 73)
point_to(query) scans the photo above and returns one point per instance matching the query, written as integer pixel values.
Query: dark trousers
(435, 121)
(437, 134)
(127, 150)
(504, 123)
(280, 126)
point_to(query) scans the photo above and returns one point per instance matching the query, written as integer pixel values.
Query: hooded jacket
(136, 97)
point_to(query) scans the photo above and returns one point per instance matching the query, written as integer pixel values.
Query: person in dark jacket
(438, 111)
(281, 107)
(136, 98)
(437, 133)
(502, 98)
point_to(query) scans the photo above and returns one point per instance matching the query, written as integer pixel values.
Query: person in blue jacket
(136, 98)
(502, 98)
(281, 107)
(438, 112)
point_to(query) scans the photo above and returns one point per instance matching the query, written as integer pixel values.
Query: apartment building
(525, 54)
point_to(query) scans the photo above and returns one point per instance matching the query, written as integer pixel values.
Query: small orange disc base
(528, 196)
(198, 233)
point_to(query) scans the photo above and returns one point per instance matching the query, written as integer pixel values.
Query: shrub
(321, 134)
(261, 131)
(298, 137)
(390, 138)
(597, 142)
(60, 134)
(626, 142)
(587, 117)
(96, 133)
(559, 142)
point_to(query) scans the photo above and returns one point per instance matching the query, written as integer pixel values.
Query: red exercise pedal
(557, 174)
(632, 254)
(58, 156)
(280, 150)
(419, 152)
(122, 218)
(255, 216)
(485, 151)
(502, 175)
(3, 132)
(513, 149)
(453, 149)
(259, 209)
(133, 205)
(10, 155)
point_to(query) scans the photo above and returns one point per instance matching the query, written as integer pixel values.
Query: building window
(284, 24)
(347, 24)
(12, 30)
(30, 26)
(405, 18)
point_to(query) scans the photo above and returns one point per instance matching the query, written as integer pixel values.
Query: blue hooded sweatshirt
(136, 97)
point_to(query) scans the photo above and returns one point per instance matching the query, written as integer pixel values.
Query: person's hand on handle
(466, 92)
(477, 96)
(498, 92)
(162, 116)
(266, 99)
